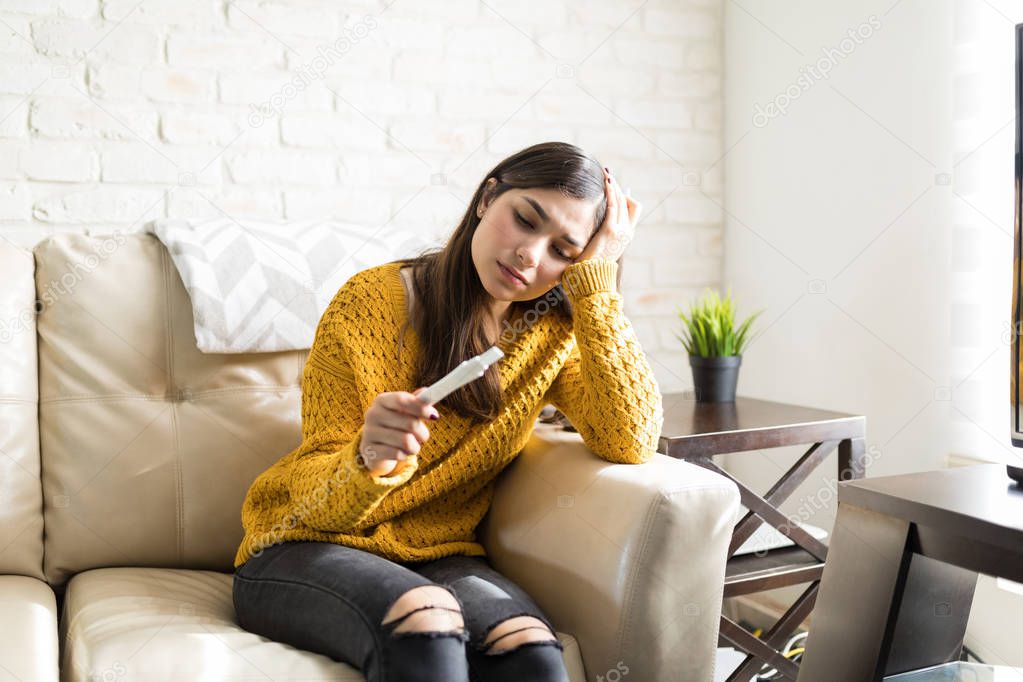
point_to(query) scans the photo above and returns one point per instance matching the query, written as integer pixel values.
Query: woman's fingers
(623, 201)
(374, 451)
(612, 198)
(623, 221)
(394, 426)
(402, 423)
(399, 430)
(416, 407)
(617, 202)
(408, 403)
(616, 231)
(391, 443)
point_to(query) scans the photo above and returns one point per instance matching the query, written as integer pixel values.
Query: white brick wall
(114, 112)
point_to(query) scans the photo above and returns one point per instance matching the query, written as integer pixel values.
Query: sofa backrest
(148, 446)
(21, 521)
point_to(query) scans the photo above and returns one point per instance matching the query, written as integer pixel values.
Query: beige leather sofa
(125, 455)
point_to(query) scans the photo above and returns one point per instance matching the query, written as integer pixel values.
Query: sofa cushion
(148, 446)
(28, 630)
(21, 497)
(175, 624)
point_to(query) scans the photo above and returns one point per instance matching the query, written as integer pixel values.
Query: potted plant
(715, 346)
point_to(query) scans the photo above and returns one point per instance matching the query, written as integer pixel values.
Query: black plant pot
(715, 378)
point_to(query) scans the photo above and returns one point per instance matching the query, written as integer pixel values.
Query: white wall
(117, 112)
(873, 220)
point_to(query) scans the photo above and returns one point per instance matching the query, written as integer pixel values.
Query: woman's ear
(488, 189)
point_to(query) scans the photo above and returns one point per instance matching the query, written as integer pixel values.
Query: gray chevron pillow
(262, 285)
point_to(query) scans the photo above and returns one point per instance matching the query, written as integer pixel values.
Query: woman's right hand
(394, 429)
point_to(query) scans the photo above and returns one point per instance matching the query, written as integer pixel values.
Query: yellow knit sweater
(591, 368)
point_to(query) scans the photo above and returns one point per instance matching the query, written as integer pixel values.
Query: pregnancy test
(467, 371)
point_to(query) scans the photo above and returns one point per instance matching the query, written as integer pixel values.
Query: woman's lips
(509, 277)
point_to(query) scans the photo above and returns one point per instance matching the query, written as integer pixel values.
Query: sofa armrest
(627, 558)
(29, 647)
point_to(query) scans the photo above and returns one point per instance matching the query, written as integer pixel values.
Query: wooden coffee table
(696, 432)
(902, 568)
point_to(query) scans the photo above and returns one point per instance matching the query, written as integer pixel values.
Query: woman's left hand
(619, 226)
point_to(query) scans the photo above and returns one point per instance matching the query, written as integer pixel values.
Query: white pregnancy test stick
(467, 371)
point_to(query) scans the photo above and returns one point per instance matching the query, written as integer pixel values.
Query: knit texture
(592, 368)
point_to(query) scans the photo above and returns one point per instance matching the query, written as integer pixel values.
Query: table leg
(781, 490)
(778, 634)
(933, 612)
(769, 513)
(851, 459)
(868, 560)
(746, 642)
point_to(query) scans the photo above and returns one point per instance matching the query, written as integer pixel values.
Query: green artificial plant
(709, 328)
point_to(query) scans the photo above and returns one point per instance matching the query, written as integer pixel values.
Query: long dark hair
(451, 304)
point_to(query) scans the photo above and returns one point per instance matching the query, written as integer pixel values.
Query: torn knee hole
(425, 610)
(530, 630)
(426, 619)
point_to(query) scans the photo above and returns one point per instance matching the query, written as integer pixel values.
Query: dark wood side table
(696, 432)
(905, 555)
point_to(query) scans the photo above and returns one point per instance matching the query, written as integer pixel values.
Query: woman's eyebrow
(546, 218)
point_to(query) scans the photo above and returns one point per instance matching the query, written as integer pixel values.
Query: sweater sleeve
(606, 387)
(328, 491)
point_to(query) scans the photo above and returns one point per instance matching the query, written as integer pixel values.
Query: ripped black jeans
(332, 599)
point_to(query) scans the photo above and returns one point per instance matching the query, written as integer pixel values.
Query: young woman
(360, 544)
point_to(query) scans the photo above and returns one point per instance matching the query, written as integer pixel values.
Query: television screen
(1014, 371)
(1017, 300)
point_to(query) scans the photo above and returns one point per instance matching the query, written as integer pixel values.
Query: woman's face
(538, 232)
